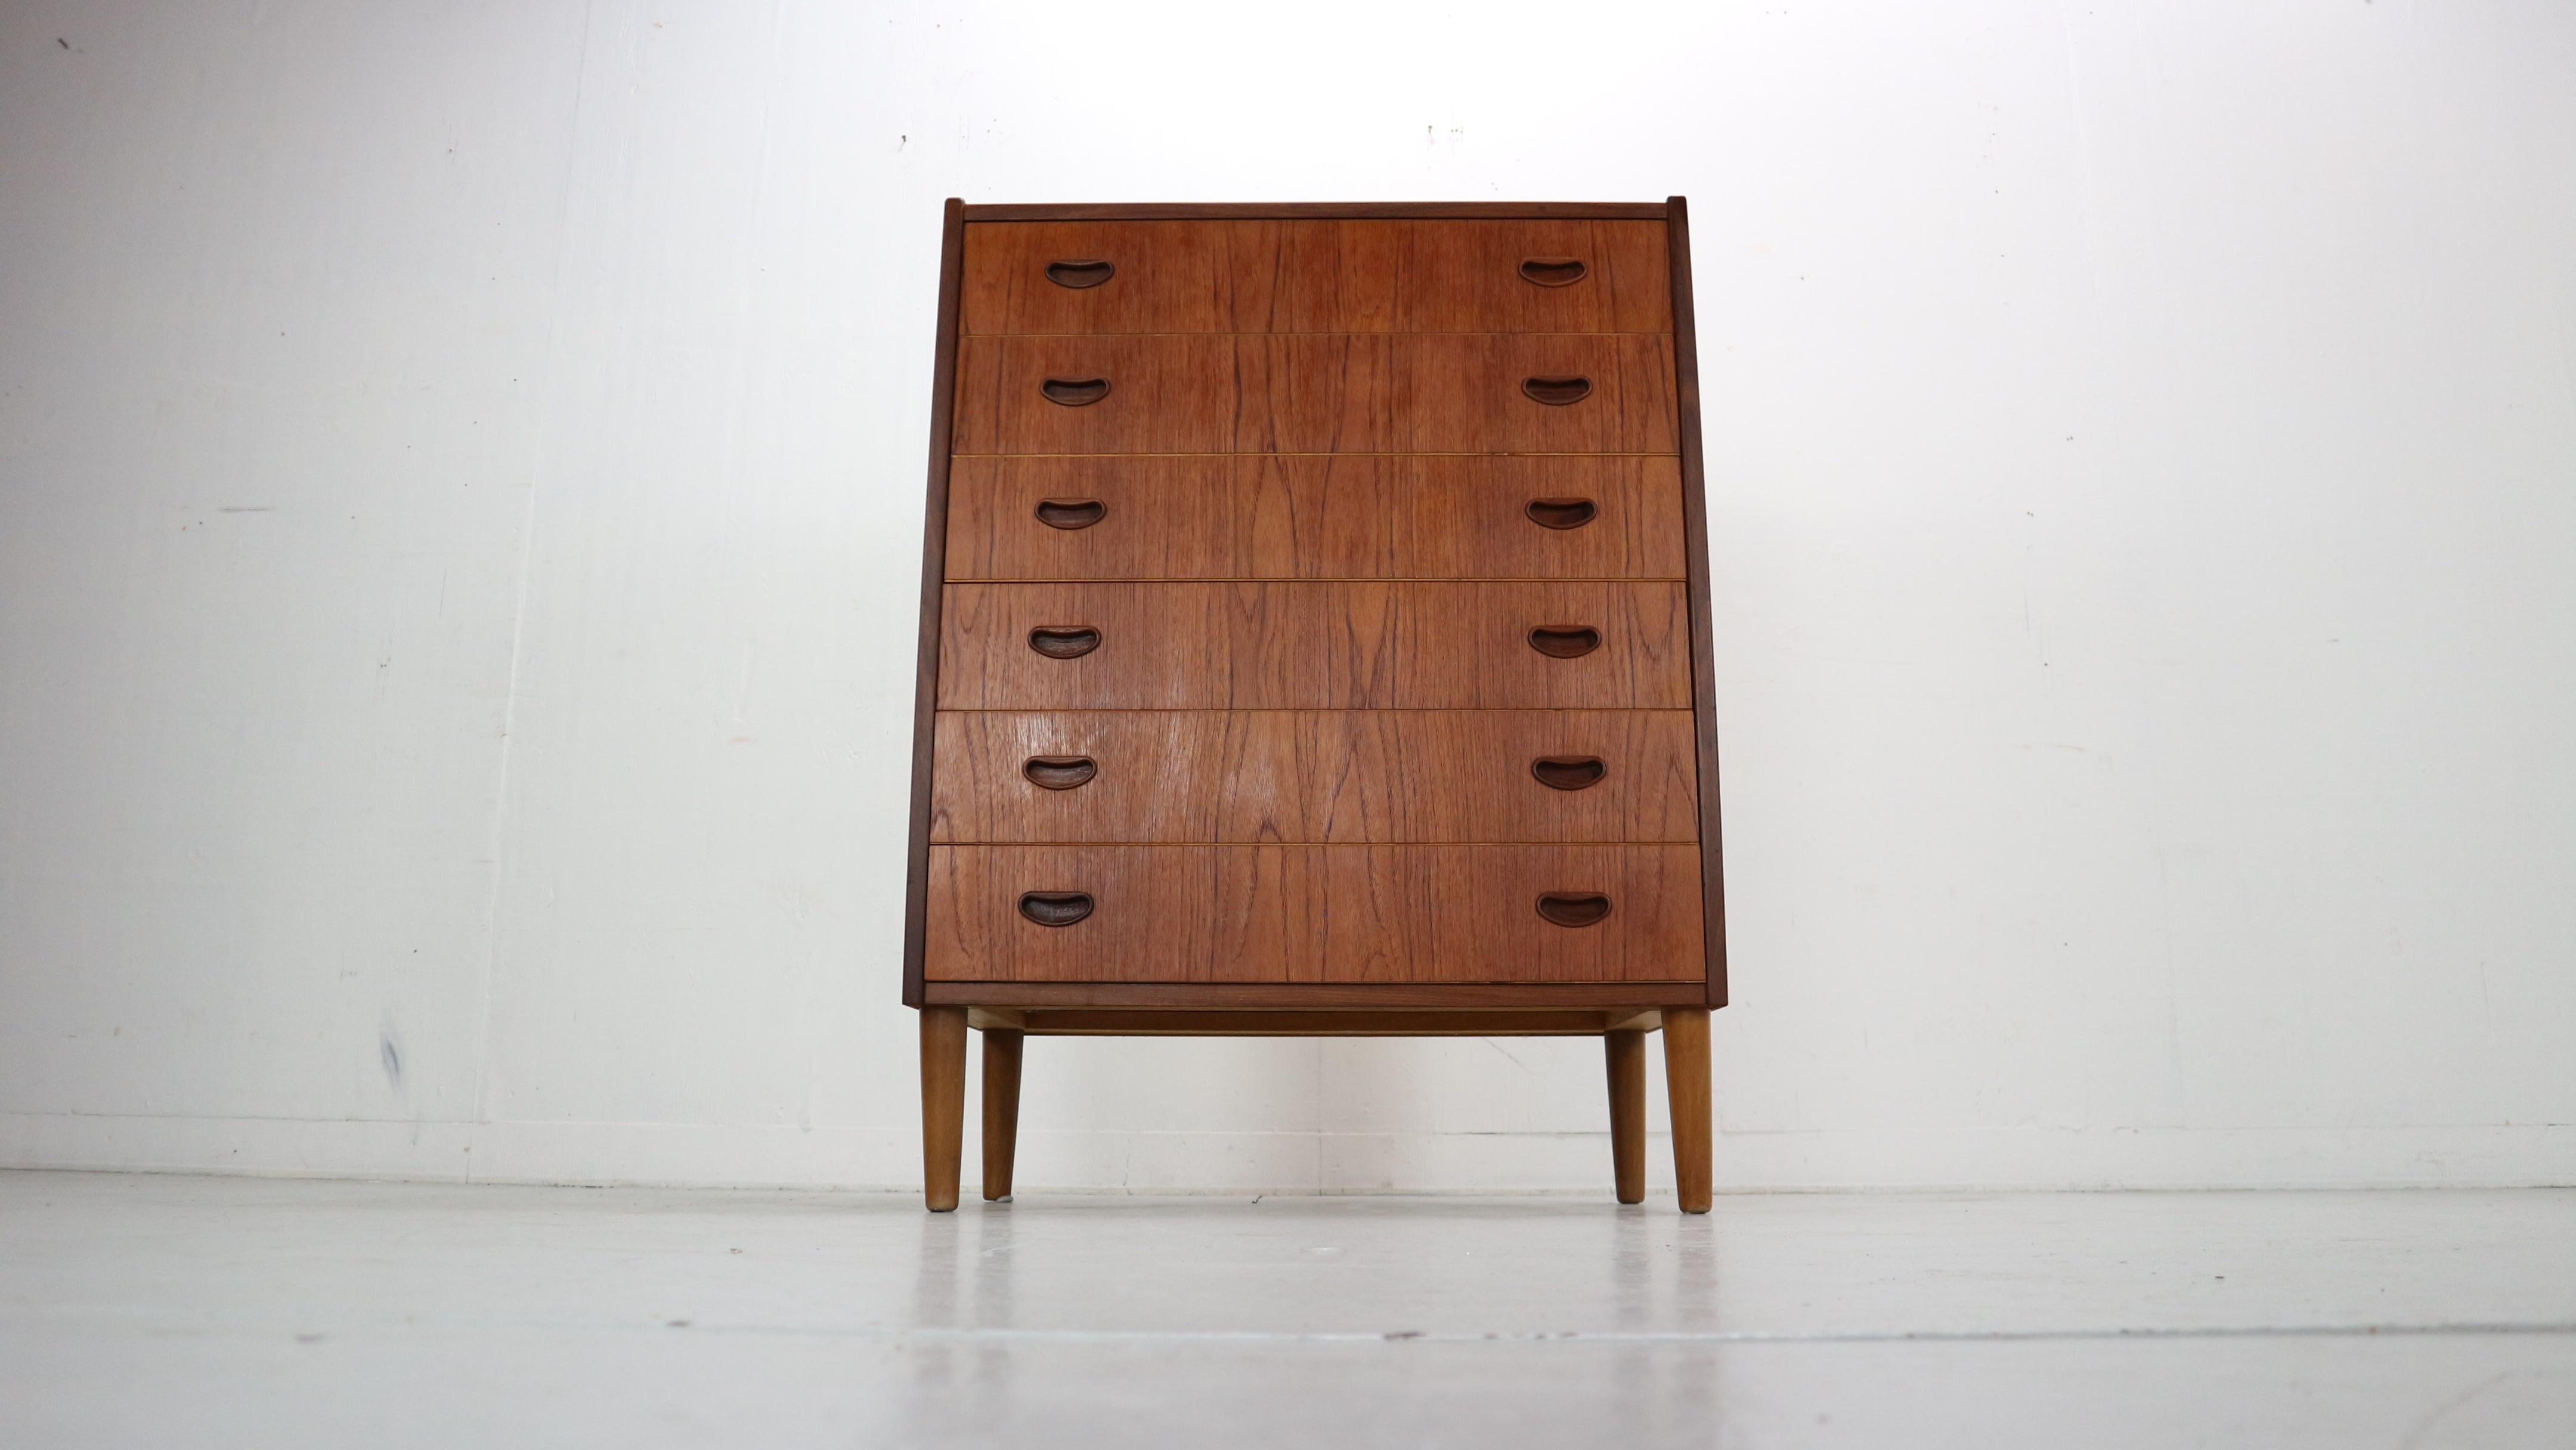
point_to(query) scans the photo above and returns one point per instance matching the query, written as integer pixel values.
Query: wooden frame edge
(1712, 855)
(1360, 1022)
(1316, 996)
(1322, 211)
(934, 580)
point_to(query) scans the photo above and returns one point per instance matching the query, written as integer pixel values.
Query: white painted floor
(169, 1311)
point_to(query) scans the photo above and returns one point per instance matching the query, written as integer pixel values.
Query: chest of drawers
(1315, 639)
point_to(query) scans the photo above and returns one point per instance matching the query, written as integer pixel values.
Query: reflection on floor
(204, 1311)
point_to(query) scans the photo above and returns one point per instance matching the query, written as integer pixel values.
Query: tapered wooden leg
(943, 1103)
(1627, 1053)
(1686, 1081)
(1001, 1110)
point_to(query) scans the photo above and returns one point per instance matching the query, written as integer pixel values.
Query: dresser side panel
(934, 573)
(1703, 641)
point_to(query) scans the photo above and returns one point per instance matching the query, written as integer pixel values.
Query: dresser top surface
(1322, 210)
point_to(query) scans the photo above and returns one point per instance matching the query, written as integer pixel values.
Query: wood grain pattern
(1275, 276)
(1315, 393)
(1315, 776)
(1429, 646)
(1314, 516)
(1315, 914)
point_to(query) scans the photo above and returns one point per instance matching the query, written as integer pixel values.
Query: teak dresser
(1315, 639)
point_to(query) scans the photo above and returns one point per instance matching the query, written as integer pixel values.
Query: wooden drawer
(1314, 914)
(1285, 646)
(1321, 516)
(1315, 393)
(1317, 276)
(1315, 776)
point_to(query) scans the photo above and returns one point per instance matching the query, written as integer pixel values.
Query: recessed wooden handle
(1083, 392)
(1552, 271)
(1064, 641)
(1079, 275)
(1569, 908)
(1568, 772)
(1060, 772)
(1562, 513)
(1064, 908)
(1555, 392)
(1082, 513)
(1563, 641)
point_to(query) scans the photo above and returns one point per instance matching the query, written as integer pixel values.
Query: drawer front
(1321, 516)
(1315, 646)
(1315, 914)
(1321, 393)
(1316, 276)
(1296, 776)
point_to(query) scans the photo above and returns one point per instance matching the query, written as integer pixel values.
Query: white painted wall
(462, 476)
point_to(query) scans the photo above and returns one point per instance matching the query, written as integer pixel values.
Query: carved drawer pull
(1083, 392)
(1064, 908)
(1060, 772)
(1568, 772)
(1079, 275)
(1562, 513)
(1555, 392)
(1552, 271)
(1572, 908)
(1064, 641)
(1075, 513)
(1563, 641)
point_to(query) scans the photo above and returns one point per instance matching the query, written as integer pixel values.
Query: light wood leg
(1686, 1081)
(1627, 1054)
(943, 1103)
(1001, 1110)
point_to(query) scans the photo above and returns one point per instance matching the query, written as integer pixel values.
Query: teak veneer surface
(1315, 516)
(1346, 646)
(1315, 776)
(1315, 913)
(1317, 276)
(1316, 393)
